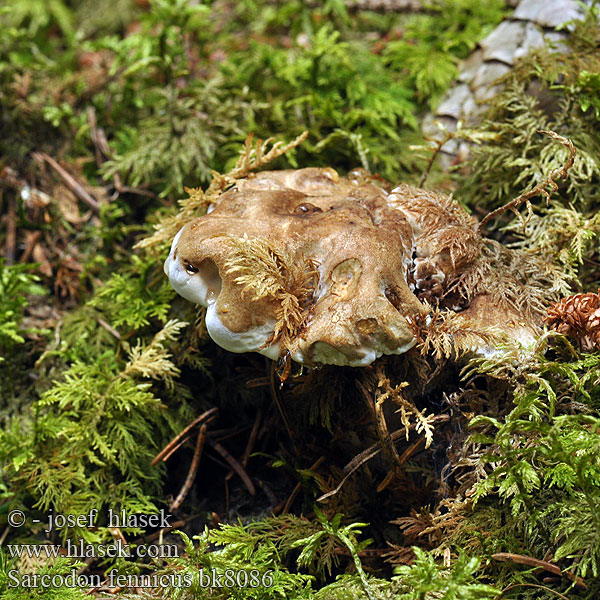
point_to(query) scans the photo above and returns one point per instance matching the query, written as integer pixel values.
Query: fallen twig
(234, 464)
(539, 189)
(298, 487)
(384, 435)
(371, 452)
(189, 480)
(249, 445)
(403, 458)
(32, 239)
(109, 328)
(530, 561)
(277, 399)
(69, 180)
(183, 435)
(439, 144)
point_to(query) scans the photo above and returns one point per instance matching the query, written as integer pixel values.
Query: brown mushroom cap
(361, 240)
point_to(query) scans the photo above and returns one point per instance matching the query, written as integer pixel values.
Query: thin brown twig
(210, 413)
(224, 434)
(69, 180)
(93, 123)
(530, 561)
(234, 464)
(227, 498)
(278, 403)
(403, 458)
(191, 476)
(109, 328)
(268, 493)
(539, 189)
(298, 486)
(252, 438)
(384, 435)
(290, 499)
(439, 144)
(174, 449)
(257, 382)
(99, 86)
(125, 189)
(104, 152)
(250, 444)
(365, 394)
(11, 231)
(371, 452)
(181, 442)
(32, 239)
(4, 534)
(386, 481)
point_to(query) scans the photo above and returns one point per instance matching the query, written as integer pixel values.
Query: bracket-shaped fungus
(328, 269)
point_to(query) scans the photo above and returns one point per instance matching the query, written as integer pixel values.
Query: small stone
(548, 13)
(484, 94)
(556, 40)
(472, 112)
(452, 105)
(488, 74)
(470, 65)
(533, 38)
(503, 42)
(451, 146)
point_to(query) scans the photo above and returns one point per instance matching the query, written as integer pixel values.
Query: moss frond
(562, 234)
(253, 155)
(269, 273)
(521, 279)
(407, 409)
(445, 334)
(154, 360)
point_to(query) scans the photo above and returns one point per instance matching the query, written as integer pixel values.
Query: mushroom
(325, 269)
